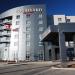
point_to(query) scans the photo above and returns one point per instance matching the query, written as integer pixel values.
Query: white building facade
(20, 31)
(63, 19)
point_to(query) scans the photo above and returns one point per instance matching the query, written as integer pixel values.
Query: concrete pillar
(53, 54)
(46, 52)
(62, 47)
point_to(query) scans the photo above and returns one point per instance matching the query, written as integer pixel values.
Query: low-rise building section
(59, 38)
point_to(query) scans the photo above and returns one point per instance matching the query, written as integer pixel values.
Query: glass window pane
(41, 28)
(17, 22)
(40, 22)
(18, 17)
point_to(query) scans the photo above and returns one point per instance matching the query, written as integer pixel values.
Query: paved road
(25, 69)
(34, 69)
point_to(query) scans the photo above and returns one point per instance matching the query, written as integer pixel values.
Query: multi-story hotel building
(20, 33)
(59, 38)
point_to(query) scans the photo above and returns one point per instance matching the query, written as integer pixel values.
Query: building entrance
(70, 54)
(56, 54)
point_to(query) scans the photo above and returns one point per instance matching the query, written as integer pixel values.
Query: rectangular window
(68, 20)
(7, 45)
(40, 36)
(27, 15)
(7, 38)
(18, 17)
(41, 28)
(27, 43)
(27, 28)
(17, 22)
(40, 43)
(15, 43)
(59, 19)
(40, 15)
(27, 56)
(16, 36)
(28, 22)
(28, 36)
(40, 21)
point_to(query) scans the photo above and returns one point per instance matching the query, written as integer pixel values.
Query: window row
(67, 20)
(28, 16)
(28, 22)
(27, 43)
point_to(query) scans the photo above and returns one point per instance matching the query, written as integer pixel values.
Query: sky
(66, 7)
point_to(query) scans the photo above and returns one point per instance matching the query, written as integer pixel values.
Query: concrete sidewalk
(49, 63)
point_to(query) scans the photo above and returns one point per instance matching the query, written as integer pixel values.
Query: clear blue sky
(53, 6)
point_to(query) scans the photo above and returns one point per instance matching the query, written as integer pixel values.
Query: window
(6, 45)
(27, 15)
(5, 49)
(68, 20)
(40, 22)
(27, 28)
(41, 28)
(8, 31)
(17, 22)
(27, 56)
(40, 9)
(40, 36)
(15, 43)
(40, 43)
(15, 36)
(59, 19)
(28, 22)
(28, 36)
(7, 38)
(18, 17)
(28, 43)
(40, 15)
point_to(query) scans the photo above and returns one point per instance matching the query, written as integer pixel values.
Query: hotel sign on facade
(31, 10)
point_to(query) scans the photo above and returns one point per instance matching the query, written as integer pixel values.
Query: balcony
(6, 27)
(4, 45)
(5, 40)
(4, 33)
(1, 28)
(7, 21)
(0, 34)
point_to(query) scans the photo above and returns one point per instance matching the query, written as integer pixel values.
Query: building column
(62, 47)
(46, 52)
(53, 54)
